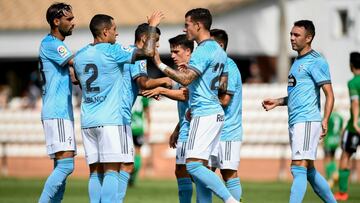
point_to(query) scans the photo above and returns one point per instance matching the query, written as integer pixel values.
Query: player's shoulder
(354, 81)
(50, 42)
(316, 57)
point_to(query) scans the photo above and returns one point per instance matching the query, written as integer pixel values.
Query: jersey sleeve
(198, 61)
(320, 73)
(58, 53)
(225, 71)
(353, 92)
(122, 54)
(138, 69)
(231, 86)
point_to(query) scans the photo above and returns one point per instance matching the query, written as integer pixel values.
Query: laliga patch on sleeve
(62, 51)
(127, 49)
(143, 65)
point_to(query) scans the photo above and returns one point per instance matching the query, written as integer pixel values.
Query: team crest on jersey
(62, 51)
(301, 67)
(143, 66)
(127, 49)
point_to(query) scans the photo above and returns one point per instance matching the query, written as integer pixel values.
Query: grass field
(150, 191)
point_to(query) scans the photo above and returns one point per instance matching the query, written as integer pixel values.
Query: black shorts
(138, 140)
(350, 142)
(329, 152)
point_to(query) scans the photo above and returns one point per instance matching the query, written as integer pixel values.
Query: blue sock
(208, 178)
(58, 197)
(203, 194)
(320, 186)
(185, 190)
(124, 180)
(299, 184)
(234, 186)
(64, 167)
(110, 187)
(94, 187)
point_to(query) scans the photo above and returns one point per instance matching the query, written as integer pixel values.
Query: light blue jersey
(307, 74)
(99, 68)
(232, 130)
(208, 61)
(182, 107)
(130, 90)
(57, 89)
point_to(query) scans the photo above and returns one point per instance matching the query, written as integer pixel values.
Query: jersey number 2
(216, 79)
(92, 78)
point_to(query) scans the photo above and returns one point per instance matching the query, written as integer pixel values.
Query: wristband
(162, 67)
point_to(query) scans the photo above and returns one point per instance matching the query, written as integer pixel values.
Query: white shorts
(304, 140)
(59, 136)
(108, 144)
(204, 135)
(227, 155)
(180, 153)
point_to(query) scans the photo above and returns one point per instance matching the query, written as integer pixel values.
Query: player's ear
(308, 38)
(56, 22)
(143, 38)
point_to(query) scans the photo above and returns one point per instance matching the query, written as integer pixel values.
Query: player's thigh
(59, 137)
(204, 135)
(304, 140)
(90, 137)
(116, 144)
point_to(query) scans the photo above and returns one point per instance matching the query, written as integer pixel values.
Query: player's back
(99, 69)
(307, 74)
(182, 107)
(57, 89)
(232, 130)
(208, 60)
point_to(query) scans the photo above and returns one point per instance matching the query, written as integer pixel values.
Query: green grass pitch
(14, 190)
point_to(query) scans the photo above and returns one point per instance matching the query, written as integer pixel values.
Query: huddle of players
(111, 76)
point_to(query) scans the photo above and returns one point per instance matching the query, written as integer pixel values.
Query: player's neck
(57, 34)
(304, 51)
(202, 36)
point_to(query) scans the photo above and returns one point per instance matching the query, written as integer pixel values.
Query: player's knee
(192, 167)
(66, 165)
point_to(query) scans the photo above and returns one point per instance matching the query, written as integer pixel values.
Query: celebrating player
(201, 76)
(99, 67)
(228, 157)
(57, 111)
(308, 74)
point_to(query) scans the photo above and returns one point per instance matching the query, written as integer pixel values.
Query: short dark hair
(355, 59)
(201, 15)
(99, 22)
(56, 10)
(220, 35)
(181, 40)
(143, 29)
(308, 25)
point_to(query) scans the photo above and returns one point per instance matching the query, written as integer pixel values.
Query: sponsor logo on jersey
(291, 82)
(62, 51)
(300, 67)
(219, 118)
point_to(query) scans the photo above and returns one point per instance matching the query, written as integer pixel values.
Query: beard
(65, 32)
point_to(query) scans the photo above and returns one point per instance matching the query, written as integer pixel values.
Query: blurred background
(258, 42)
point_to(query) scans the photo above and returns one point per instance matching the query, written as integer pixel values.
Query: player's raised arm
(148, 49)
(269, 104)
(184, 77)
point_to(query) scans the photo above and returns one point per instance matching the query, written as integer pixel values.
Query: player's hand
(155, 18)
(152, 93)
(269, 104)
(183, 66)
(188, 115)
(168, 82)
(73, 78)
(324, 126)
(173, 139)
